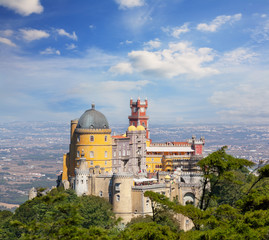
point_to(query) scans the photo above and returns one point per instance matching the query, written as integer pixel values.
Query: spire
(93, 105)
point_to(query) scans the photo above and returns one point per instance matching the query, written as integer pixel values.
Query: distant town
(31, 152)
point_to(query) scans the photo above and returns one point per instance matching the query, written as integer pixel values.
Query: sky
(195, 61)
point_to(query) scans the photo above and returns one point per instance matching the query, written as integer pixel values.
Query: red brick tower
(138, 114)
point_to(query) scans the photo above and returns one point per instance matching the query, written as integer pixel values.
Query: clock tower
(138, 114)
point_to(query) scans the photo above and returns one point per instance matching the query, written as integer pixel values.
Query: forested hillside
(234, 205)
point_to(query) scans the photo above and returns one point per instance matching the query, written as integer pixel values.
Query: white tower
(81, 176)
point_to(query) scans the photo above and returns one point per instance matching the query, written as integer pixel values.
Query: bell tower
(139, 114)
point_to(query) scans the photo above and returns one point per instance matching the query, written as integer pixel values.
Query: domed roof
(140, 128)
(167, 177)
(131, 128)
(92, 119)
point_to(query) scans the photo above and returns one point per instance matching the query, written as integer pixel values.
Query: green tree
(60, 215)
(216, 168)
(149, 231)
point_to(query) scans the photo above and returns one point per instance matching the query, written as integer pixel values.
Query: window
(78, 154)
(105, 162)
(100, 194)
(105, 154)
(119, 153)
(152, 159)
(117, 187)
(147, 202)
(92, 138)
(105, 138)
(118, 197)
(78, 138)
(91, 163)
(123, 152)
(114, 154)
(128, 152)
(91, 154)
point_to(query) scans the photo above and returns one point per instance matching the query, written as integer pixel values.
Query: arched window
(105, 138)
(91, 154)
(105, 154)
(189, 198)
(78, 138)
(78, 154)
(100, 194)
(91, 138)
(117, 197)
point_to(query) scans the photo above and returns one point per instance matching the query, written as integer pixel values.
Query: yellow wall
(64, 174)
(98, 146)
(152, 165)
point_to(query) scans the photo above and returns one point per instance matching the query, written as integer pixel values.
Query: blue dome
(92, 119)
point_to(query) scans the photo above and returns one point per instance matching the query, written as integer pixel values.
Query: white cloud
(91, 26)
(176, 32)
(6, 33)
(50, 51)
(152, 44)
(114, 86)
(62, 32)
(238, 56)
(33, 34)
(127, 42)
(261, 32)
(124, 4)
(70, 46)
(122, 68)
(7, 42)
(180, 58)
(217, 22)
(23, 7)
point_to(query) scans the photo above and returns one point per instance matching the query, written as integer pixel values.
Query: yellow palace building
(90, 134)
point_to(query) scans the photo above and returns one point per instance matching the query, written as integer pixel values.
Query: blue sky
(196, 61)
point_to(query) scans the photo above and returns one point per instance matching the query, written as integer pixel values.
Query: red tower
(138, 114)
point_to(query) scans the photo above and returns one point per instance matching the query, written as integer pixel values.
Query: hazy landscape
(31, 152)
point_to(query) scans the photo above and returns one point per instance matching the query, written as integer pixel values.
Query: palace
(121, 168)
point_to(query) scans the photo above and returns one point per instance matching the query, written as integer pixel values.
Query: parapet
(123, 175)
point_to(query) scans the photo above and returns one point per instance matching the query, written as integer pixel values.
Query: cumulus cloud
(33, 34)
(176, 32)
(62, 32)
(7, 42)
(23, 7)
(218, 22)
(125, 4)
(50, 51)
(178, 59)
(122, 68)
(152, 44)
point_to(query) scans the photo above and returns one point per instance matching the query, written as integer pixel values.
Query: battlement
(123, 175)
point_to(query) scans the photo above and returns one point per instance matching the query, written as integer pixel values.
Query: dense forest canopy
(234, 205)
